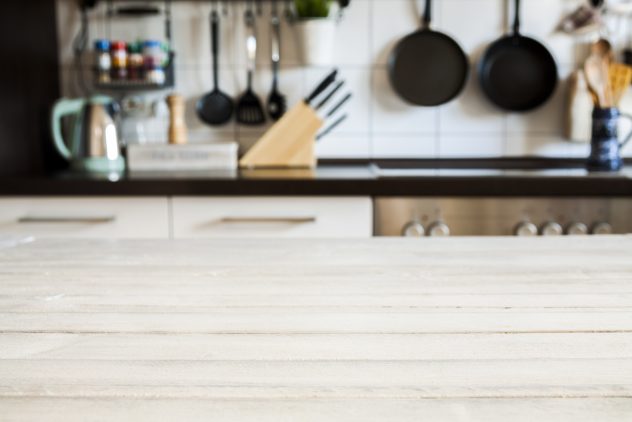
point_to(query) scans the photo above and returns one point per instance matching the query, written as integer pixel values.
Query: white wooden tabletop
(297, 330)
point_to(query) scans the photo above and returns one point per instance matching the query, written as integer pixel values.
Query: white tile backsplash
(380, 124)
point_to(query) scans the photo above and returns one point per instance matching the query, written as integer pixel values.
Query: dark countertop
(501, 177)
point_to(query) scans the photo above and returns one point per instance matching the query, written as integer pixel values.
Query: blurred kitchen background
(380, 124)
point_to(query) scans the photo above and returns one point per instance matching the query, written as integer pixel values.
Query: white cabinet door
(315, 217)
(95, 217)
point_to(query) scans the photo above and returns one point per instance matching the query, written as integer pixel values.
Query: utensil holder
(605, 151)
(290, 143)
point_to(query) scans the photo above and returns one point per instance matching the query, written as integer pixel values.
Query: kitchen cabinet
(102, 217)
(187, 217)
(280, 217)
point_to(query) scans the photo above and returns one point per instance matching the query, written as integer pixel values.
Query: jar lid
(151, 43)
(102, 45)
(119, 45)
(135, 47)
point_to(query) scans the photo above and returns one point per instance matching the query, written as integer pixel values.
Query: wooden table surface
(296, 330)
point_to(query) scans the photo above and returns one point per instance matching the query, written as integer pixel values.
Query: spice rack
(140, 85)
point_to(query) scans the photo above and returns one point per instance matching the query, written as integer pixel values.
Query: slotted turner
(249, 108)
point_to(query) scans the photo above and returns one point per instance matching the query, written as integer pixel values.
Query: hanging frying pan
(428, 68)
(517, 73)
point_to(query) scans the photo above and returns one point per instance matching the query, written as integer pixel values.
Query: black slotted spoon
(249, 108)
(215, 108)
(277, 104)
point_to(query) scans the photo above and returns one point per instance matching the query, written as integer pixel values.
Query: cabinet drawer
(327, 217)
(85, 217)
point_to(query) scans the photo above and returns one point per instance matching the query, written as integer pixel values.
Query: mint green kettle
(93, 144)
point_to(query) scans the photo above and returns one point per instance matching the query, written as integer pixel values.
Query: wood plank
(387, 329)
(319, 379)
(352, 410)
(62, 301)
(374, 320)
(394, 347)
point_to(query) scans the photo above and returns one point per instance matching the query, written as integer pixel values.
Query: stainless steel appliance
(416, 217)
(93, 145)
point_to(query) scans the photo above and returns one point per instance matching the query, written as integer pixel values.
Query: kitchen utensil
(177, 127)
(329, 95)
(580, 107)
(331, 127)
(596, 69)
(290, 141)
(93, 145)
(321, 87)
(338, 105)
(427, 67)
(517, 73)
(620, 76)
(276, 101)
(603, 48)
(605, 148)
(249, 108)
(215, 108)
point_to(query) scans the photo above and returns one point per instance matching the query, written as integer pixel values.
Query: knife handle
(322, 86)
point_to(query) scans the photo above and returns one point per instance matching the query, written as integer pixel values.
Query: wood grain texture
(379, 329)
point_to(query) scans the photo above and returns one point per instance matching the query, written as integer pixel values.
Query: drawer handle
(268, 220)
(61, 219)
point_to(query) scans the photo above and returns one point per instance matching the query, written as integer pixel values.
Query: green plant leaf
(312, 8)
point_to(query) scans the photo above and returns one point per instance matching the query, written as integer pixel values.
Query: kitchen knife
(337, 106)
(331, 127)
(330, 95)
(331, 78)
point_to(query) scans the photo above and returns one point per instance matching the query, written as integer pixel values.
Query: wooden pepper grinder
(177, 126)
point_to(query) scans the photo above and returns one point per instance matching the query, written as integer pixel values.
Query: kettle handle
(64, 107)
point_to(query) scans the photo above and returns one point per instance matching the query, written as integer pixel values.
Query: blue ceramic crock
(605, 148)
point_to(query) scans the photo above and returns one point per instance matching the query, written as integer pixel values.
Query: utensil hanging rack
(139, 9)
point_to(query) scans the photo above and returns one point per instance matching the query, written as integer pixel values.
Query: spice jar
(156, 75)
(136, 62)
(103, 60)
(119, 60)
(152, 52)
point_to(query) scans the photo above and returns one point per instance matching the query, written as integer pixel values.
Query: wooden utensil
(596, 69)
(620, 76)
(580, 107)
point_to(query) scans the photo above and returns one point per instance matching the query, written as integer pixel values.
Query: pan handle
(427, 18)
(516, 24)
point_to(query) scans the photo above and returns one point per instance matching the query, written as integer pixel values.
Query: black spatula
(249, 108)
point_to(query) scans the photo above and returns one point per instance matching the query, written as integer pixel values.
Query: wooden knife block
(290, 142)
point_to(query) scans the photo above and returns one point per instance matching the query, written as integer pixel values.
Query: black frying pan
(517, 73)
(427, 67)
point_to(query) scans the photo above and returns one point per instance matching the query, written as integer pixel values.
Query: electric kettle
(93, 145)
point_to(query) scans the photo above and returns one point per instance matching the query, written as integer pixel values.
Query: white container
(190, 157)
(316, 40)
